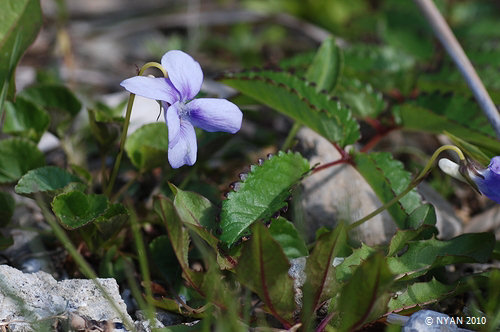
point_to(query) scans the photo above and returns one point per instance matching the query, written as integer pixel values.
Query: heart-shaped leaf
(43, 179)
(75, 209)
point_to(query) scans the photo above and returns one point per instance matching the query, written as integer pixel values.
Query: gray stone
(341, 193)
(485, 222)
(31, 300)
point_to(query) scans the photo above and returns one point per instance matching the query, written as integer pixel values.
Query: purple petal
(184, 72)
(155, 88)
(173, 123)
(184, 151)
(213, 114)
(490, 184)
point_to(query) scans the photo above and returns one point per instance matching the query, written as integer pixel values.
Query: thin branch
(450, 43)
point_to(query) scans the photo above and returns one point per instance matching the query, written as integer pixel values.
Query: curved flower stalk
(182, 112)
(485, 180)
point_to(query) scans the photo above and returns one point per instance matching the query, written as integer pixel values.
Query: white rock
(27, 299)
(341, 193)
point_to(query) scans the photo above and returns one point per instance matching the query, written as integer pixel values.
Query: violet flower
(182, 112)
(485, 180)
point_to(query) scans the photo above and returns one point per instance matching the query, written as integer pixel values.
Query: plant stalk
(412, 184)
(123, 138)
(455, 51)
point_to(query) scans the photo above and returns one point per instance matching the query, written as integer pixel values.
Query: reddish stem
(324, 322)
(330, 164)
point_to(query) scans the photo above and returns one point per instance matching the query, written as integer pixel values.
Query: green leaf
(456, 114)
(199, 215)
(388, 178)
(261, 194)
(179, 239)
(321, 283)
(147, 147)
(345, 270)
(470, 149)
(361, 97)
(426, 254)
(423, 215)
(326, 67)
(106, 226)
(403, 236)
(57, 100)
(287, 236)
(7, 206)
(369, 285)
(43, 179)
(23, 118)
(18, 156)
(194, 208)
(420, 293)
(75, 209)
(384, 67)
(263, 267)
(424, 293)
(298, 99)
(20, 21)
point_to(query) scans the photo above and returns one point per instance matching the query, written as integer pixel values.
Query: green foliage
(326, 67)
(261, 194)
(371, 282)
(199, 215)
(424, 255)
(321, 283)
(383, 66)
(361, 97)
(44, 179)
(285, 233)
(58, 101)
(179, 239)
(20, 21)
(75, 209)
(18, 156)
(453, 113)
(25, 119)
(299, 99)
(231, 264)
(388, 178)
(147, 146)
(263, 267)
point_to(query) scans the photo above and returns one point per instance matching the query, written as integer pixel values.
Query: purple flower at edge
(488, 179)
(182, 112)
(485, 180)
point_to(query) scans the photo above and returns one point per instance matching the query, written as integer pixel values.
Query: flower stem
(412, 184)
(123, 138)
(291, 135)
